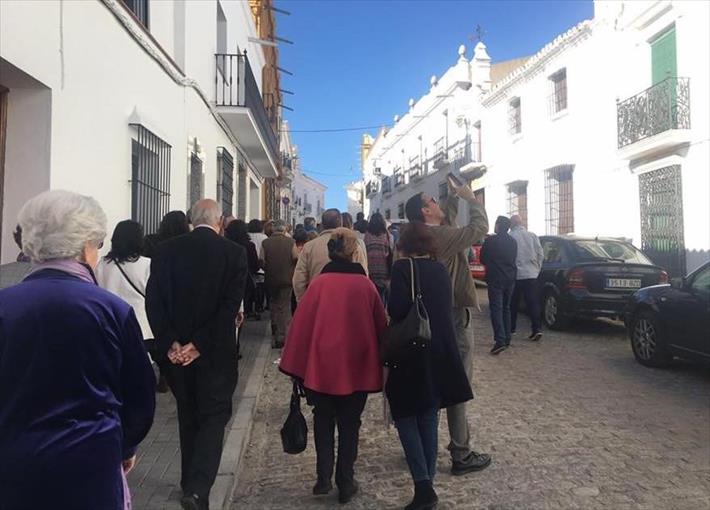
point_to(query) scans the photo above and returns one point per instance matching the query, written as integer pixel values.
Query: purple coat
(76, 393)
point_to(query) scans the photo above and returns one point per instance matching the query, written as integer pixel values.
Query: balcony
(440, 158)
(387, 184)
(654, 120)
(240, 104)
(372, 188)
(398, 179)
(415, 169)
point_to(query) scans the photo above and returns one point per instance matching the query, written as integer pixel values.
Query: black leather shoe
(474, 462)
(425, 497)
(535, 336)
(193, 502)
(345, 494)
(322, 487)
(498, 348)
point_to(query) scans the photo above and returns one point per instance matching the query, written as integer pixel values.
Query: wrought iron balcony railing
(387, 184)
(235, 85)
(398, 179)
(371, 188)
(659, 108)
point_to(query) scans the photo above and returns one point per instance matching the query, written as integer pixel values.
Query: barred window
(443, 190)
(518, 200)
(140, 9)
(400, 211)
(388, 214)
(559, 198)
(225, 181)
(515, 125)
(195, 179)
(558, 98)
(242, 192)
(150, 178)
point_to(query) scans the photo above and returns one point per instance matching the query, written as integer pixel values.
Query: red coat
(333, 341)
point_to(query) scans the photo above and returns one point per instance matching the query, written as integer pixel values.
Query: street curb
(240, 429)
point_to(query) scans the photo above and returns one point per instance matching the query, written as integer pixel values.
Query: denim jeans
(418, 435)
(528, 289)
(500, 296)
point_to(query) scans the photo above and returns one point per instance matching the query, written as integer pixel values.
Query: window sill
(559, 115)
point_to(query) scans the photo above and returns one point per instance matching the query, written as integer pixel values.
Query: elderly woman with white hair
(76, 385)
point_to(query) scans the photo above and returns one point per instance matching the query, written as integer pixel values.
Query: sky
(356, 63)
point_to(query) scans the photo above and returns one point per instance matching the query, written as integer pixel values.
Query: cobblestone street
(571, 422)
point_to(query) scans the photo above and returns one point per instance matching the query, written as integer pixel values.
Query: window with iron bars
(559, 200)
(400, 211)
(558, 98)
(140, 9)
(518, 200)
(150, 178)
(515, 125)
(388, 214)
(443, 190)
(225, 181)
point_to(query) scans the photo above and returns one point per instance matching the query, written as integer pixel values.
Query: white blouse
(110, 278)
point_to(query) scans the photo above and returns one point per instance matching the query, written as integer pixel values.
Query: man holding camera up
(453, 244)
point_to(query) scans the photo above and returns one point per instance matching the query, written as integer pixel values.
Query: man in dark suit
(193, 296)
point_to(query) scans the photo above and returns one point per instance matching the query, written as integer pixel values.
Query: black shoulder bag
(414, 331)
(294, 433)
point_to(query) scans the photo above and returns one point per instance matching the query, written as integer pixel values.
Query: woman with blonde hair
(333, 350)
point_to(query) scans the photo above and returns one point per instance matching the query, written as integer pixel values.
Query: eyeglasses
(432, 200)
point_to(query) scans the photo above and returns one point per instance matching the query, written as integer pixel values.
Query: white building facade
(604, 132)
(355, 195)
(135, 104)
(308, 197)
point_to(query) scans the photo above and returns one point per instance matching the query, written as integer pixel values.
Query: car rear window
(616, 250)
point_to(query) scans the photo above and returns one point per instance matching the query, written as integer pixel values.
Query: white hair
(57, 224)
(205, 212)
(279, 226)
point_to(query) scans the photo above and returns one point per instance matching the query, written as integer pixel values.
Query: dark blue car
(664, 321)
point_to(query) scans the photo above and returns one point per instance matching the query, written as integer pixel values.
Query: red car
(478, 270)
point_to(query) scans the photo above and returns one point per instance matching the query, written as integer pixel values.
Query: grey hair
(57, 224)
(205, 212)
(279, 226)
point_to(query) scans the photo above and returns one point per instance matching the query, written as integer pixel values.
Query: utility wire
(334, 130)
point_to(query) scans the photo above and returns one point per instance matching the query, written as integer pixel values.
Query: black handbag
(294, 433)
(414, 331)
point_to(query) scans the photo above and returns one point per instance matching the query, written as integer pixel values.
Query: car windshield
(615, 250)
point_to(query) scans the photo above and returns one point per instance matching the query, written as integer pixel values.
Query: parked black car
(671, 320)
(591, 277)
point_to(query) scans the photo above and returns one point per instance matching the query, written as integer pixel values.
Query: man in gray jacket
(529, 263)
(452, 244)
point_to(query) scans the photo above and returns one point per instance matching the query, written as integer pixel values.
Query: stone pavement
(572, 422)
(154, 482)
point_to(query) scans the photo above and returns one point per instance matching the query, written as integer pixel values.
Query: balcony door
(663, 57)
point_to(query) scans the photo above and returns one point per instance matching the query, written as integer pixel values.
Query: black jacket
(498, 254)
(194, 292)
(433, 377)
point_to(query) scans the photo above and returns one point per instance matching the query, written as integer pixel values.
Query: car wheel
(552, 313)
(648, 341)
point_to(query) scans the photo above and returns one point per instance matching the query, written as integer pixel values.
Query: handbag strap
(128, 279)
(416, 289)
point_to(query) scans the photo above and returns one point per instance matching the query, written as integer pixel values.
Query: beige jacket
(453, 243)
(314, 258)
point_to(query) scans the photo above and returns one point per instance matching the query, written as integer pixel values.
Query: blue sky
(357, 63)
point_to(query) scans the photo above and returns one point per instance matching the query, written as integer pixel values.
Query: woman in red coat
(333, 349)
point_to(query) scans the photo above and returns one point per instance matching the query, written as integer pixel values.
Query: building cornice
(559, 44)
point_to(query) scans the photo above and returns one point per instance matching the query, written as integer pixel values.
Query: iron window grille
(225, 184)
(388, 214)
(439, 149)
(241, 192)
(443, 190)
(140, 9)
(518, 200)
(150, 178)
(400, 211)
(398, 177)
(387, 184)
(559, 200)
(515, 125)
(195, 179)
(661, 199)
(558, 98)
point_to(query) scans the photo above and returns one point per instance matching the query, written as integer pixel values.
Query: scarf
(70, 266)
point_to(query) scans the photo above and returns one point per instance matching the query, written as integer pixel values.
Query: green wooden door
(663, 57)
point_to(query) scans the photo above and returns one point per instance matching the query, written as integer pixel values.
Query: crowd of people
(86, 340)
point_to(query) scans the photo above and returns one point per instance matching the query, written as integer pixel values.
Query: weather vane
(479, 34)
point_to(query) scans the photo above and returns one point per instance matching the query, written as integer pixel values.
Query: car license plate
(623, 283)
(476, 268)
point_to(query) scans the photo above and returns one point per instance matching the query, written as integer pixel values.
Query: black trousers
(203, 391)
(527, 289)
(345, 411)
